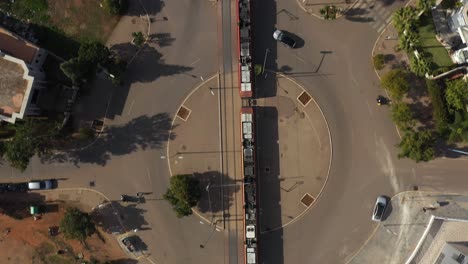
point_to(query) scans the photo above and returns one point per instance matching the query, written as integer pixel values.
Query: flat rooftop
(12, 87)
(17, 47)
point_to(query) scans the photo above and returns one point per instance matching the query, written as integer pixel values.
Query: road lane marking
(299, 58)
(131, 107)
(369, 107)
(193, 63)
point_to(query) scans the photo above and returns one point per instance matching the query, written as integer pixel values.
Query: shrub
(258, 69)
(379, 61)
(86, 133)
(456, 94)
(138, 38)
(116, 7)
(418, 146)
(396, 83)
(440, 114)
(402, 116)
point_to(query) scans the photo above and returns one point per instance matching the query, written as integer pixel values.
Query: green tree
(138, 38)
(74, 69)
(94, 53)
(420, 66)
(183, 193)
(76, 224)
(116, 7)
(456, 94)
(409, 41)
(418, 146)
(405, 18)
(379, 61)
(425, 5)
(402, 116)
(459, 128)
(396, 83)
(440, 114)
(31, 137)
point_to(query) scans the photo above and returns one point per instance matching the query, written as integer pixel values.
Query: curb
(321, 17)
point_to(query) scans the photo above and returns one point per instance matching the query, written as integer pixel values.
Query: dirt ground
(28, 241)
(82, 19)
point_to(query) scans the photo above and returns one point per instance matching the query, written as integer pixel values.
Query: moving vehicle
(379, 208)
(283, 37)
(41, 185)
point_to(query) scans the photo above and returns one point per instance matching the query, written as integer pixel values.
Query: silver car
(379, 209)
(41, 185)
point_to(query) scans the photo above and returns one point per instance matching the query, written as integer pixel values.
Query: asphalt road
(334, 64)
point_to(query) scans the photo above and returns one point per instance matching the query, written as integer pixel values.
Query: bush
(258, 69)
(76, 224)
(86, 133)
(418, 146)
(440, 114)
(116, 7)
(396, 83)
(138, 38)
(456, 94)
(448, 4)
(402, 116)
(183, 193)
(379, 61)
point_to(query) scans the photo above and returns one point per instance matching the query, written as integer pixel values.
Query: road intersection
(333, 64)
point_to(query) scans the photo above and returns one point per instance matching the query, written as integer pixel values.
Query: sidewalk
(397, 237)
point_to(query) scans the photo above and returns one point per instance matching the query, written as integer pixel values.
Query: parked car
(41, 185)
(379, 208)
(283, 37)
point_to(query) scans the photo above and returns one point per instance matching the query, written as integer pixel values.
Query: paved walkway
(395, 239)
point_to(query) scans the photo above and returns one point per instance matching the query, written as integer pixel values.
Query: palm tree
(404, 18)
(420, 66)
(409, 41)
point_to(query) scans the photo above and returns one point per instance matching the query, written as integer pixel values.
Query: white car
(379, 209)
(41, 185)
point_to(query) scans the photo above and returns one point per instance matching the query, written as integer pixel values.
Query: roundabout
(293, 155)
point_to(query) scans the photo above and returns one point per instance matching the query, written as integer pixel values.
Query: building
(21, 77)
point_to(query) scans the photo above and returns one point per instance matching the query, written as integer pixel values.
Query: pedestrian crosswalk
(374, 12)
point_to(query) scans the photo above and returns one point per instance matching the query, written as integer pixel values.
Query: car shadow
(388, 209)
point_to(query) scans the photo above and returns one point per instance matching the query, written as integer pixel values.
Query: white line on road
(148, 173)
(131, 107)
(381, 28)
(299, 58)
(193, 63)
(369, 108)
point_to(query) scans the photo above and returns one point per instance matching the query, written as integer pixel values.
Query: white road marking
(148, 173)
(193, 63)
(369, 108)
(131, 107)
(388, 19)
(381, 28)
(299, 58)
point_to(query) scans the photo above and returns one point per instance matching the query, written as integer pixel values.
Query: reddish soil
(29, 242)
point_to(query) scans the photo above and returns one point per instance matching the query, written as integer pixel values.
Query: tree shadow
(445, 149)
(215, 186)
(148, 65)
(153, 7)
(144, 132)
(388, 2)
(16, 204)
(285, 69)
(110, 217)
(123, 261)
(162, 39)
(357, 15)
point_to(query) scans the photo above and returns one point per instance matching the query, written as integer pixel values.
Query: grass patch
(431, 45)
(56, 259)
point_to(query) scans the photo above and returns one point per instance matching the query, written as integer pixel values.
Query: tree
(116, 7)
(405, 18)
(138, 38)
(425, 5)
(74, 70)
(31, 137)
(379, 61)
(418, 146)
(409, 41)
(77, 225)
(459, 128)
(402, 116)
(440, 114)
(420, 66)
(456, 94)
(396, 83)
(183, 193)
